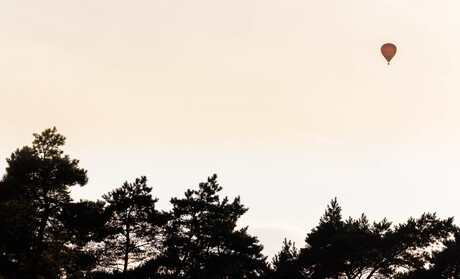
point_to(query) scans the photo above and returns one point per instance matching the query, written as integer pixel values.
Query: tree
(447, 261)
(83, 223)
(133, 226)
(202, 240)
(355, 249)
(33, 192)
(444, 263)
(286, 262)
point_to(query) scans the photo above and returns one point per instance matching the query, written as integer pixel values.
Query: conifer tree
(356, 249)
(286, 262)
(202, 240)
(133, 225)
(32, 195)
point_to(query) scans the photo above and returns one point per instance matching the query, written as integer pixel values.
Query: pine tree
(133, 226)
(202, 240)
(32, 195)
(286, 263)
(355, 249)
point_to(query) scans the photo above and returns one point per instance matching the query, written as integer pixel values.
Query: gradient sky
(289, 102)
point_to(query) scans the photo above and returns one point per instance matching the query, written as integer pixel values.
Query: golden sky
(289, 102)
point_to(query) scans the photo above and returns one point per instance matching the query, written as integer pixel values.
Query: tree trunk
(125, 267)
(39, 242)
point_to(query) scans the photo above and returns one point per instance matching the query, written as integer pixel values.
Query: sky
(289, 102)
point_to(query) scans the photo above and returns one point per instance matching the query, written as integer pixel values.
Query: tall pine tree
(133, 226)
(202, 240)
(32, 195)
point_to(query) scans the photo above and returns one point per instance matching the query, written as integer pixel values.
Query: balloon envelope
(388, 51)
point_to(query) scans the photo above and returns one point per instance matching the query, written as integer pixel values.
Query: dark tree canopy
(445, 263)
(202, 240)
(132, 226)
(355, 249)
(286, 262)
(44, 234)
(33, 192)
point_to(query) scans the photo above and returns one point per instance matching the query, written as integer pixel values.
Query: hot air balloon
(388, 51)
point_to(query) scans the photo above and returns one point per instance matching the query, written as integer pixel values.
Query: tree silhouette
(202, 240)
(355, 249)
(84, 228)
(133, 225)
(44, 234)
(33, 192)
(286, 262)
(447, 262)
(444, 263)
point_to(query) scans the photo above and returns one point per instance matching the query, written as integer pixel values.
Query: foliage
(447, 262)
(356, 249)
(44, 234)
(286, 262)
(132, 225)
(202, 240)
(33, 192)
(444, 263)
(84, 227)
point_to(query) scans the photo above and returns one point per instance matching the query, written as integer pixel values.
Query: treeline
(45, 234)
